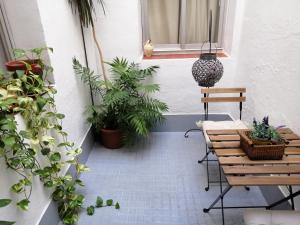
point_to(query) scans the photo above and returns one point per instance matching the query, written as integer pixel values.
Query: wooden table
(239, 170)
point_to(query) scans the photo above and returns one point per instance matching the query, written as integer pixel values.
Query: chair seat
(271, 217)
(219, 125)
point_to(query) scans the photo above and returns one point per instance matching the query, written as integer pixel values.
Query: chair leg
(188, 131)
(205, 156)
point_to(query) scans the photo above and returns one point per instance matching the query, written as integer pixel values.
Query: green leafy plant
(262, 131)
(43, 148)
(3, 203)
(33, 55)
(126, 103)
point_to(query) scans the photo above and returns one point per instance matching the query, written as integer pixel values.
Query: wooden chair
(212, 96)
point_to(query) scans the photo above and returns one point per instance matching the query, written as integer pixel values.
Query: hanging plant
(43, 140)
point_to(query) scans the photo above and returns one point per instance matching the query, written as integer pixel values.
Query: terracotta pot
(112, 139)
(20, 65)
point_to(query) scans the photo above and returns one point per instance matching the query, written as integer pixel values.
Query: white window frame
(182, 46)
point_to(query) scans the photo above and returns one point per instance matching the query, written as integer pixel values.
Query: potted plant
(262, 142)
(126, 110)
(28, 61)
(29, 70)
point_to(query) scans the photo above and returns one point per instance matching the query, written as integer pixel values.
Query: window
(182, 24)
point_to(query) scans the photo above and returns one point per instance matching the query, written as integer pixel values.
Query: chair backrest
(221, 99)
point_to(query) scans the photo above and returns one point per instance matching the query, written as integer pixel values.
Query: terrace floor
(158, 182)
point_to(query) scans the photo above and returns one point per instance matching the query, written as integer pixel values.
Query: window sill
(179, 56)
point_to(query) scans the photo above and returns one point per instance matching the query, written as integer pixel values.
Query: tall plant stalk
(101, 55)
(86, 9)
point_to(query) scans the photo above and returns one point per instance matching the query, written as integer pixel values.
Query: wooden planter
(261, 151)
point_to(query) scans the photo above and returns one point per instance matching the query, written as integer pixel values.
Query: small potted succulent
(262, 142)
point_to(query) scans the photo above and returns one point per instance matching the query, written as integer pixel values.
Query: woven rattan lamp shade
(207, 70)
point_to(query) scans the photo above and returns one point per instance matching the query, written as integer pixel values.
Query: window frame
(183, 46)
(6, 37)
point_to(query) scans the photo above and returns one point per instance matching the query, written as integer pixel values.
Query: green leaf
(60, 116)
(65, 144)
(75, 152)
(6, 222)
(99, 202)
(109, 202)
(81, 168)
(45, 151)
(48, 140)
(90, 210)
(18, 187)
(4, 202)
(9, 141)
(117, 206)
(41, 102)
(55, 157)
(23, 204)
(79, 182)
(49, 184)
(19, 53)
(14, 88)
(25, 134)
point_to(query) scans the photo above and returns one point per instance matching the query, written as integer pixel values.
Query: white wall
(120, 32)
(268, 61)
(51, 23)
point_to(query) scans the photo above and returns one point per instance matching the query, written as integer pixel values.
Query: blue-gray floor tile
(158, 182)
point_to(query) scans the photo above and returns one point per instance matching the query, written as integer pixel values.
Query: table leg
(292, 198)
(283, 200)
(207, 169)
(206, 210)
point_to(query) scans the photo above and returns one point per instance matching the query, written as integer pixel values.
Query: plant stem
(101, 55)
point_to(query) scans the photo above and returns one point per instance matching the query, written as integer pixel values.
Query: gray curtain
(197, 20)
(164, 20)
(163, 16)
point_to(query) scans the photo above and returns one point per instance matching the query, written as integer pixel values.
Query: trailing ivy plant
(3, 203)
(42, 149)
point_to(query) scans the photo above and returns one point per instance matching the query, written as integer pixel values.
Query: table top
(241, 171)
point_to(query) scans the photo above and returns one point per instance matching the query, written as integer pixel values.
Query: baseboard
(50, 216)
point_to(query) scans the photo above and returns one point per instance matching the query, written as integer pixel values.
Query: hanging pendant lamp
(208, 70)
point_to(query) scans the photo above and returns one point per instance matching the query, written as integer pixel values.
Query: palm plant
(126, 103)
(86, 10)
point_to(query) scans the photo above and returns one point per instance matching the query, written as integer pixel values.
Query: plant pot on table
(112, 138)
(261, 150)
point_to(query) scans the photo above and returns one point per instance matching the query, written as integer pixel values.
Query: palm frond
(88, 77)
(148, 88)
(86, 9)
